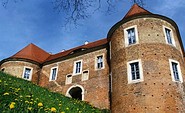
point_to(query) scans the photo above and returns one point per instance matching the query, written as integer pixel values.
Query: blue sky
(35, 21)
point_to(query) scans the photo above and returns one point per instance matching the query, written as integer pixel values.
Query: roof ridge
(136, 10)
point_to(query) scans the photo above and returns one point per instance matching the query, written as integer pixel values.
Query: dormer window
(77, 67)
(53, 73)
(131, 35)
(168, 36)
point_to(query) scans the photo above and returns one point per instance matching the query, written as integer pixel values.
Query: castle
(138, 68)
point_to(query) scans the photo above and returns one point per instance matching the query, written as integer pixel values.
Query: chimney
(86, 42)
(63, 50)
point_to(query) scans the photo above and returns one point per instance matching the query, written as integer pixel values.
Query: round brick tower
(147, 64)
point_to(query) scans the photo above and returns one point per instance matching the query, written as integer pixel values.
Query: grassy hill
(21, 96)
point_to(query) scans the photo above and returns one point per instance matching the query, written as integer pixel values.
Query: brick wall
(16, 68)
(96, 88)
(157, 93)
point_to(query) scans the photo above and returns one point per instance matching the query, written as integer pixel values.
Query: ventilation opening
(76, 93)
(3, 69)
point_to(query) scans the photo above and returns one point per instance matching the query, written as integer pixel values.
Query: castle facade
(138, 68)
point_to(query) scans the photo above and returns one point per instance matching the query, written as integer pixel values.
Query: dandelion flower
(53, 109)
(12, 105)
(30, 108)
(6, 93)
(26, 101)
(40, 104)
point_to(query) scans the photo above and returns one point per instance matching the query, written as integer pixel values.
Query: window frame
(129, 75)
(74, 67)
(178, 69)
(171, 35)
(84, 78)
(96, 62)
(31, 71)
(126, 35)
(69, 80)
(51, 72)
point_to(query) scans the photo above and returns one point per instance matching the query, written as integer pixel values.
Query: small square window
(53, 73)
(134, 71)
(131, 35)
(77, 67)
(175, 71)
(27, 73)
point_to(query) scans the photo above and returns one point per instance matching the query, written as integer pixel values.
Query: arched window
(76, 92)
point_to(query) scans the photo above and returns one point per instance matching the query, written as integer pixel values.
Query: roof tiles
(136, 10)
(32, 52)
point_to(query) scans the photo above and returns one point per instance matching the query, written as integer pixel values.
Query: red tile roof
(136, 10)
(87, 46)
(32, 52)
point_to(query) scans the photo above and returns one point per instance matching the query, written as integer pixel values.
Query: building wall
(16, 68)
(157, 93)
(96, 87)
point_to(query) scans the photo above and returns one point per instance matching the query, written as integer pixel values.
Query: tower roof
(136, 10)
(32, 52)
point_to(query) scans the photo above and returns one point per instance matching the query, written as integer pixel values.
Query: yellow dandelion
(30, 108)
(67, 108)
(26, 101)
(12, 105)
(6, 93)
(53, 109)
(28, 96)
(62, 112)
(40, 104)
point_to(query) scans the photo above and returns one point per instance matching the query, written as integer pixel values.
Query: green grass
(21, 96)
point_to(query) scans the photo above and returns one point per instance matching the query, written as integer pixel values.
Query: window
(85, 75)
(99, 62)
(27, 73)
(168, 36)
(68, 79)
(53, 73)
(134, 71)
(131, 35)
(175, 71)
(77, 67)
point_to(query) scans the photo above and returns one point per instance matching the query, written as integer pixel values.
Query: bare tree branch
(77, 10)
